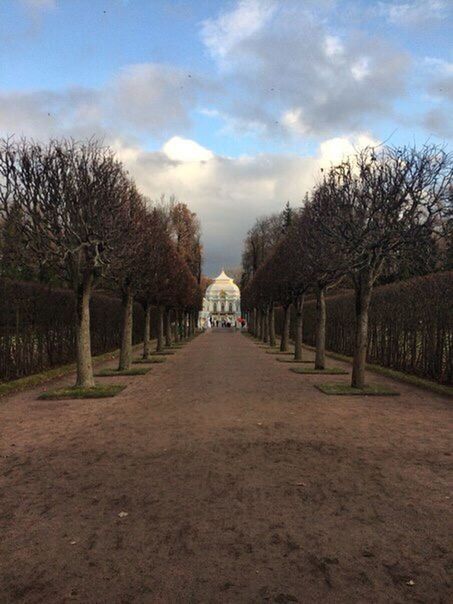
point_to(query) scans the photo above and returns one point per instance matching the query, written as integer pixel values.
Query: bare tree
(70, 199)
(187, 235)
(373, 207)
(129, 265)
(323, 262)
(261, 241)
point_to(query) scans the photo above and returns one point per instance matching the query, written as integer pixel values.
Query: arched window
(231, 306)
(223, 306)
(215, 306)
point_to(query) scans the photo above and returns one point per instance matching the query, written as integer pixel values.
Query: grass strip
(286, 360)
(313, 371)
(340, 388)
(114, 372)
(149, 360)
(36, 379)
(394, 374)
(75, 392)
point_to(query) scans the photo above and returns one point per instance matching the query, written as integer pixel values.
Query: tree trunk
(167, 318)
(266, 326)
(175, 327)
(254, 322)
(299, 328)
(160, 328)
(147, 332)
(184, 325)
(126, 335)
(362, 306)
(272, 325)
(180, 326)
(258, 324)
(284, 342)
(320, 358)
(85, 377)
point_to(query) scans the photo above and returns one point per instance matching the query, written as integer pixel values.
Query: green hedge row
(411, 326)
(37, 332)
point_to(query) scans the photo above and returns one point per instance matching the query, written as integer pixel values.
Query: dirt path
(241, 483)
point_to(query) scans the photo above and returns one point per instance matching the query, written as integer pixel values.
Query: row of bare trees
(382, 208)
(77, 214)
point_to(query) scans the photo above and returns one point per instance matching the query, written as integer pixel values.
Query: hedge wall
(411, 326)
(36, 327)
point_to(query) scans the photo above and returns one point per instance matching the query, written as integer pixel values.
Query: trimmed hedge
(37, 331)
(410, 329)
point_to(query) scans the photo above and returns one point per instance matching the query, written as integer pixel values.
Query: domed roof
(222, 283)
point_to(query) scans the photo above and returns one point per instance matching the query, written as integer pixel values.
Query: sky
(233, 106)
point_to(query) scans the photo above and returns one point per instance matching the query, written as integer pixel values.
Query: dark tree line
(71, 214)
(384, 211)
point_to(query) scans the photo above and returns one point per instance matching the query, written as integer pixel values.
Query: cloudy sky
(233, 106)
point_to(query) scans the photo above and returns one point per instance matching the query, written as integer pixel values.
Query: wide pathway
(221, 476)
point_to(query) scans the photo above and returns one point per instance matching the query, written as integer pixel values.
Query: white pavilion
(221, 302)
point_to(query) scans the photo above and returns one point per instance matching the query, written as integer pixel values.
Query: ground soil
(241, 483)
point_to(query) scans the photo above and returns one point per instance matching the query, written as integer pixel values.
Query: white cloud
(333, 46)
(43, 113)
(413, 13)
(145, 99)
(288, 60)
(361, 69)
(439, 65)
(437, 75)
(186, 150)
(152, 97)
(224, 33)
(229, 193)
(293, 120)
(334, 150)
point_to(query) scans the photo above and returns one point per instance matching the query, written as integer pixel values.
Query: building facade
(221, 302)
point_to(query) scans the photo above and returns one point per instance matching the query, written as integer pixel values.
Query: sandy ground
(241, 483)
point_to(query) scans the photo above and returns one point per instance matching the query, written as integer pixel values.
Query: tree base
(337, 388)
(76, 392)
(113, 372)
(149, 360)
(313, 371)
